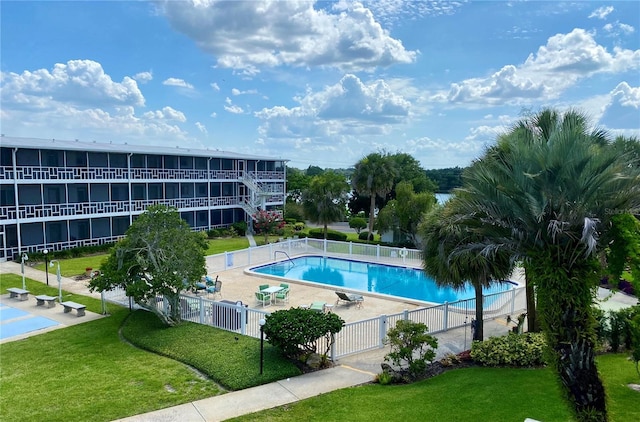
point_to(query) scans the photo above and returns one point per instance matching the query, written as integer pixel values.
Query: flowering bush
(266, 222)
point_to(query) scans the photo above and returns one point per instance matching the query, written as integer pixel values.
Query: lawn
(86, 372)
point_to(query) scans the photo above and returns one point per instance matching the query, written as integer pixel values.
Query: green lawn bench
(17, 292)
(68, 306)
(50, 301)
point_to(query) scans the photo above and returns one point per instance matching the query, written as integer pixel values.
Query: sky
(316, 83)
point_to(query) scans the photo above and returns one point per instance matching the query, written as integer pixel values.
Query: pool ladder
(275, 254)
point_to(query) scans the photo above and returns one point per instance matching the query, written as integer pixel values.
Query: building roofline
(116, 147)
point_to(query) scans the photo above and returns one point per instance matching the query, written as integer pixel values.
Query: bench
(50, 301)
(68, 306)
(15, 292)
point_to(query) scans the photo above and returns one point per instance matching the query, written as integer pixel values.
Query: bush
(240, 227)
(411, 345)
(318, 233)
(364, 235)
(520, 350)
(357, 223)
(296, 331)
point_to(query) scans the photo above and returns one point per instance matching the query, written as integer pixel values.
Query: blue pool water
(390, 280)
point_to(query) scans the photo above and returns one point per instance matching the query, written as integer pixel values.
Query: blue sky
(317, 83)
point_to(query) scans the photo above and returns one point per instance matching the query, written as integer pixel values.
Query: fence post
(243, 317)
(378, 251)
(201, 310)
(405, 315)
(324, 246)
(513, 300)
(383, 330)
(445, 316)
(350, 248)
(333, 348)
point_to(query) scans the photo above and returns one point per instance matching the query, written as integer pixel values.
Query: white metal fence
(355, 337)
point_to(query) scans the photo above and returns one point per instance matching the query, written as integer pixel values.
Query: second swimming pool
(409, 283)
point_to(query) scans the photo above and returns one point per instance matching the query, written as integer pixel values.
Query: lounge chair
(263, 298)
(263, 286)
(349, 299)
(317, 306)
(214, 288)
(199, 286)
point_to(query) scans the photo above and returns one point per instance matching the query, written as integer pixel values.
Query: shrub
(296, 331)
(298, 226)
(384, 378)
(411, 346)
(526, 350)
(318, 233)
(363, 235)
(240, 227)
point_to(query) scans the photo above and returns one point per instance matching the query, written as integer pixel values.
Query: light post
(25, 257)
(59, 278)
(46, 264)
(261, 322)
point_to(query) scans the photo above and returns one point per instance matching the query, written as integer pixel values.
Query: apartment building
(57, 194)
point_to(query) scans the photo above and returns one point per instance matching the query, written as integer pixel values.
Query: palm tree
(373, 176)
(546, 191)
(453, 255)
(325, 201)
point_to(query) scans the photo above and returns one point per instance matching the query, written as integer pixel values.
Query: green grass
(235, 364)
(472, 394)
(617, 371)
(86, 372)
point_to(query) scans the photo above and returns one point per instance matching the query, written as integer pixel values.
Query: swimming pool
(14, 322)
(408, 283)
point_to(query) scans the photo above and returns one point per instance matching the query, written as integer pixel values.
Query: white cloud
(556, 66)
(202, 128)
(214, 115)
(248, 35)
(236, 91)
(618, 29)
(601, 12)
(622, 109)
(167, 113)
(234, 109)
(143, 77)
(215, 86)
(80, 82)
(177, 82)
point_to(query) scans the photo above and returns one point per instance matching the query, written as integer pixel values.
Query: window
(186, 162)
(138, 191)
(29, 195)
(98, 159)
(79, 229)
(100, 227)
(172, 191)
(76, 159)
(227, 164)
(117, 161)
(56, 231)
(78, 193)
(119, 192)
(170, 162)
(186, 190)
(228, 189)
(201, 163)
(138, 161)
(215, 164)
(119, 225)
(27, 157)
(99, 192)
(201, 190)
(7, 195)
(155, 190)
(54, 194)
(154, 161)
(6, 159)
(51, 158)
(215, 190)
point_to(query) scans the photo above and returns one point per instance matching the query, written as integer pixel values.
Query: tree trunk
(372, 209)
(564, 305)
(532, 318)
(478, 333)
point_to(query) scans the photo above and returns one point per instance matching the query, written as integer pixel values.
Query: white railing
(355, 337)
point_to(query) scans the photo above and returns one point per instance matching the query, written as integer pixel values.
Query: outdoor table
(272, 292)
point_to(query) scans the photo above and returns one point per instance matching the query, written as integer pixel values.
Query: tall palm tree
(546, 191)
(373, 176)
(453, 256)
(325, 201)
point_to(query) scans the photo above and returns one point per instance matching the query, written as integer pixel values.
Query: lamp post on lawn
(46, 264)
(261, 322)
(59, 278)
(25, 257)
